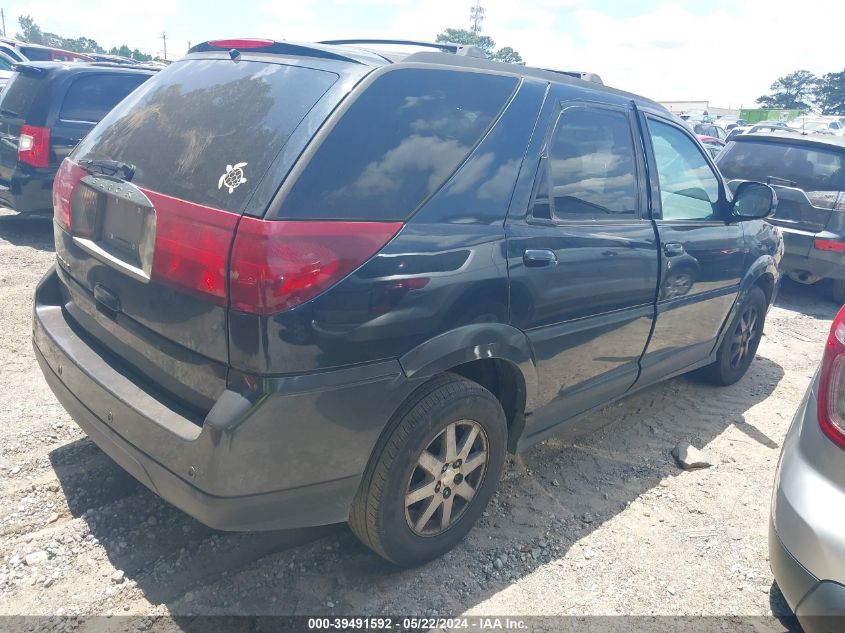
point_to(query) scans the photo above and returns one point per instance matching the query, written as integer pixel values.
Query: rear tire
(741, 341)
(432, 473)
(837, 290)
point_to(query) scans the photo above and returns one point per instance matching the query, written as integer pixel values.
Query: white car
(815, 125)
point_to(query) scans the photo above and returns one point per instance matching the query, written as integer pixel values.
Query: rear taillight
(277, 265)
(829, 245)
(831, 393)
(191, 246)
(34, 146)
(64, 185)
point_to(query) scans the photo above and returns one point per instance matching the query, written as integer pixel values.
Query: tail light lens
(64, 185)
(277, 265)
(241, 43)
(191, 246)
(831, 395)
(34, 146)
(829, 245)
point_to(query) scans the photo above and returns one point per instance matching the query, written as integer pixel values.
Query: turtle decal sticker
(233, 178)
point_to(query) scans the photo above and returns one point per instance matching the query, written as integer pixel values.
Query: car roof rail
(467, 50)
(578, 74)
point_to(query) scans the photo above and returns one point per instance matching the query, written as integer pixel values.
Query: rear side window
(814, 170)
(397, 144)
(90, 97)
(34, 54)
(206, 130)
(591, 168)
(19, 95)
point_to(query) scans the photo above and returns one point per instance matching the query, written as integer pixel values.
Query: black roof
(358, 53)
(813, 140)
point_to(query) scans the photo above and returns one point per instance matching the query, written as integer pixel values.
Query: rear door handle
(673, 249)
(536, 258)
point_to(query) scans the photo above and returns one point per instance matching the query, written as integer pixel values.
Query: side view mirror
(754, 201)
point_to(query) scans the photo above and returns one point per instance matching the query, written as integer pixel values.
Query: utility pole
(476, 14)
(164, 41)
(3, 17)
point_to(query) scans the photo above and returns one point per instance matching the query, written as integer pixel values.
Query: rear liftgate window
(818, 172)
(205, 131)
(396, 145)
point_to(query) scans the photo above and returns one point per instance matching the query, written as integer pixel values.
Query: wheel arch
(764, 274)
(497, 356)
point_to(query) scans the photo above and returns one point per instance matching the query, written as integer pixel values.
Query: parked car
(710, 130)
(822, 127)
(730, 122)
(806, 548)
(38, 53)
(766, 126)
(299, 284)
(7, 47)
(714, 146)
(6, 64)
(45, 111)
(115, 59)
(808, 174)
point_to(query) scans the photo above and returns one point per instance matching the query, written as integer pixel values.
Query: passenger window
(90, 98)
(689, 190)
(590, 173)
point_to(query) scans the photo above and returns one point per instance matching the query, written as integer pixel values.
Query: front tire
(432, 473)
(741, 341)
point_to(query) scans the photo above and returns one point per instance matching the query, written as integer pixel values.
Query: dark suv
(45, 110)
(298, 284)
(808, 173)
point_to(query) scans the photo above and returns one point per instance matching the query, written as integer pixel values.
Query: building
(679, 107)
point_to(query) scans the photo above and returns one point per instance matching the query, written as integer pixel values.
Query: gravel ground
(606, 525)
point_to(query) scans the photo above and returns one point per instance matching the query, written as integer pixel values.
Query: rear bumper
(819, 605)
(801, 256)
(806, 550)
(30, 193)
(292, 457)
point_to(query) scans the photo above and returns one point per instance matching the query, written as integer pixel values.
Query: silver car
(807, 527)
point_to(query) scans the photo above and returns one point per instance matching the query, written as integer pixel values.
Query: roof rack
(448, 47)
(578, 74)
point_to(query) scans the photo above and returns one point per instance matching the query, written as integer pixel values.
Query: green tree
(30, 31)
(484, 42)
(830, 94)
(793, 91)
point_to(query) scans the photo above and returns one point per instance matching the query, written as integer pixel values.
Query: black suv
(808, 174)
(298, 284)
(45, 110)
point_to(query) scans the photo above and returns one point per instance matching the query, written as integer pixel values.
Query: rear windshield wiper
(108, 167)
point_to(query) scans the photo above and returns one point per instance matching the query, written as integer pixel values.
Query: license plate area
(115, 222)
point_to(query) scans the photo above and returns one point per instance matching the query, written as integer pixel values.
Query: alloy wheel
(447, 475)
(744, 335)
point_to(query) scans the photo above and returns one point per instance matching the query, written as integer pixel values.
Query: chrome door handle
(536, 258)
(673, 249)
